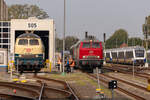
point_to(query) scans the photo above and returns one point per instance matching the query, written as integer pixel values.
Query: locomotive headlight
(98, 57)
(36, 55)
(83, 56)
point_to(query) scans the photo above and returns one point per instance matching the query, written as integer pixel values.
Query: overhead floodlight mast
(64, 37)
(145, 31)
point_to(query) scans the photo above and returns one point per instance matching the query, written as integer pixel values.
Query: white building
(45, 28)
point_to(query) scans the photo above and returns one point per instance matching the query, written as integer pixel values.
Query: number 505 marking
(32, 25)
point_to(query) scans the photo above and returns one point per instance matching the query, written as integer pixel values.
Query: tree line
(119, 37)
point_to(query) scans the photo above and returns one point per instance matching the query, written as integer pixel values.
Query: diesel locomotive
(88, 54)
(29, 52)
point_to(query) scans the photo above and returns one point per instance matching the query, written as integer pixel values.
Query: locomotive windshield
(23, 42)
(139, 53)
(86, 45)
(95, 45)
(34, 42)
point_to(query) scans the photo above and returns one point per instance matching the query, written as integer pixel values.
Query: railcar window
(107, 55)
(139, 53)
(95, 45)
(86, 45)
(23, 42)
(129, 54)
(121, 55)
(114, 54)
(34, 42)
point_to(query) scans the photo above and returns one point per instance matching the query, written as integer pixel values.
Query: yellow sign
(98, 90)
(148, 87)
(15, 79)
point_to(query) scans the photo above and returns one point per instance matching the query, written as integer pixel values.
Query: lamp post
(64, 37)
(146, 37)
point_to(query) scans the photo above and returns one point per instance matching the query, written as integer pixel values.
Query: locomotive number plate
(28, 50)
(91, 52)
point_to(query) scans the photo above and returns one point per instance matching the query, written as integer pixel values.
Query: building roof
(123, 45)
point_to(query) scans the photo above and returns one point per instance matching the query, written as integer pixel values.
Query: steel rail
(125, 72)
(75, 97)
(129, 83)
(41, 92)
(64, 83)
(2, 95)
(36, 87)
(53, 80)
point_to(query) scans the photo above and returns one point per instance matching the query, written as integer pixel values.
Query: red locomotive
(88, 53)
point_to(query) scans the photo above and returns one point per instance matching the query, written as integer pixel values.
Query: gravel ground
(82, 85)
(136, 80)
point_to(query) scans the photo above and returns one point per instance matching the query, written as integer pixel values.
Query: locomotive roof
(85, 40)
(28, 35)
(125, 48)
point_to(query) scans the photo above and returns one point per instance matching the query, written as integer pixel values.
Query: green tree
(18, 11)
(119, 37)
(59, 44)
(135, 41)
(69, 41)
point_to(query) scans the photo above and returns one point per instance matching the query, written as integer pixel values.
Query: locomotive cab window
(23, 42)
(95, 45)
(139, 53)
(34, 42)
(86, 45)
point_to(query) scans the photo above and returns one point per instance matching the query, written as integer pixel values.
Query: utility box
(3, 59)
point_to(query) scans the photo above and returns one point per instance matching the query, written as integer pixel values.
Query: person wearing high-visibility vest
(59, 63)
(72, 64)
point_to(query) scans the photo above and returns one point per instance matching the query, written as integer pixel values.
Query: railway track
(66, 85)
(31, 92)
(126, 71)
(7, 88)
(131, 94)
(126, 82)
(12, 97)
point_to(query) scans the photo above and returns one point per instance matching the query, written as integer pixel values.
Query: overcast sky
(95, 16)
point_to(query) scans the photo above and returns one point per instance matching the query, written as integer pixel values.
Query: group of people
(69, 65)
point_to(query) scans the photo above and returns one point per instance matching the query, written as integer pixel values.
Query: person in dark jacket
(67, 66)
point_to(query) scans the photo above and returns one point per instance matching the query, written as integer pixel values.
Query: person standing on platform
(67, 66)
(59, 64)
(72, 65)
